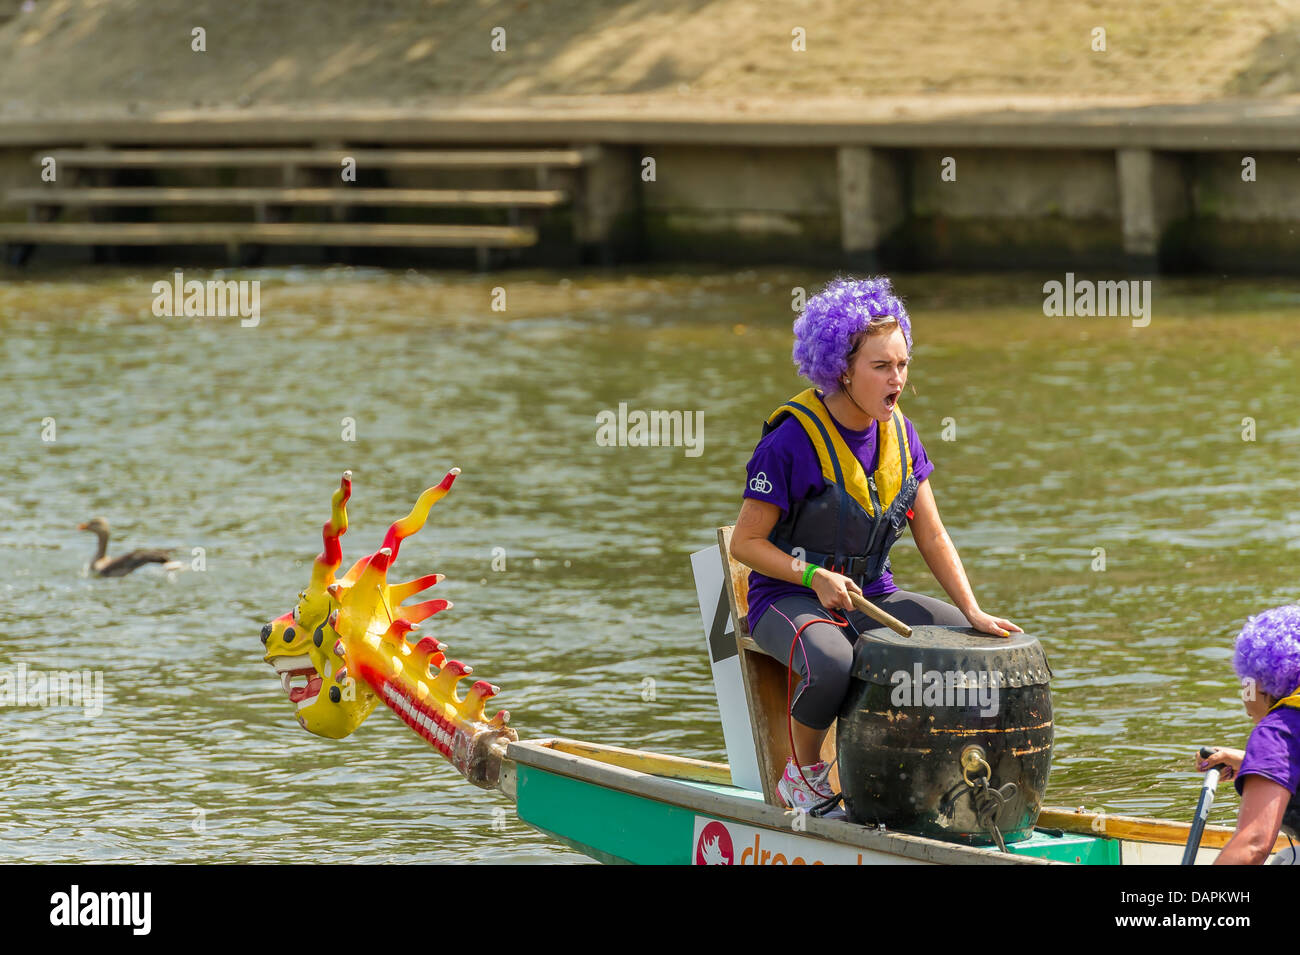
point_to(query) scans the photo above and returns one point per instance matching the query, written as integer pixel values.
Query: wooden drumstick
(875, 613)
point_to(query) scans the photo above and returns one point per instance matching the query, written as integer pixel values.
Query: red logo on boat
(714, 846)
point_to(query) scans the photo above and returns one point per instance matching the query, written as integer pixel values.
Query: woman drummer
(1267, 773)
(837, 475)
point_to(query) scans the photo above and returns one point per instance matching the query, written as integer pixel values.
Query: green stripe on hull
(606, 824)
(1071, 847)
(617, 827)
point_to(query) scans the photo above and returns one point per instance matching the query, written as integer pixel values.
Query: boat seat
(765, 679)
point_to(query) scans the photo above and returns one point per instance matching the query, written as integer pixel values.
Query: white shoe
(805, 795)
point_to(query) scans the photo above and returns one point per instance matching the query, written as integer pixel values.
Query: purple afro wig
(823, 334)
(1268, 650)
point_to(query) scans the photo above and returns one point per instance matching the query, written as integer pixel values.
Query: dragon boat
(350, 643)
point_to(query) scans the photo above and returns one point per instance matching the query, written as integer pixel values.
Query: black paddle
(1202, 810)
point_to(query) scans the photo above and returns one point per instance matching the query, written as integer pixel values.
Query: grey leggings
(825, 651)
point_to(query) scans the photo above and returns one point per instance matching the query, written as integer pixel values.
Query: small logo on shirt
(760, 483)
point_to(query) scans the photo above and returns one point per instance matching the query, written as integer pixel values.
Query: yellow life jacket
(851, 524)
(839, 464)
(1293, 700)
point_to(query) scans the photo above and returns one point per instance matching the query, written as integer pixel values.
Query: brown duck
(105, 566)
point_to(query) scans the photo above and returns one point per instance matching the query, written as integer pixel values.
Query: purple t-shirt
(1273, 751)
(785, 469)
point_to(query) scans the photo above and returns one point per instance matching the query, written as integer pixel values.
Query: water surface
(1071, 435)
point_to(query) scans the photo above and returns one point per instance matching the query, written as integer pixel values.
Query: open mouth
(891, 399)
(299, 679)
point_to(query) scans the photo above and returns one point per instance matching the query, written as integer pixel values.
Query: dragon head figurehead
(351, 641)
(300, 644)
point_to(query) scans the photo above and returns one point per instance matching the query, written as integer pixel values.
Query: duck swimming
(105, 566)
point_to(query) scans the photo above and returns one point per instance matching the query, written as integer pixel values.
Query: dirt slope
(74, 55)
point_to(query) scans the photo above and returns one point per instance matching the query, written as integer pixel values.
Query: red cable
(789, 704)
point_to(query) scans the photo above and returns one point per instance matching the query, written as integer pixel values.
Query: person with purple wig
(836, 478)
(1267, 773)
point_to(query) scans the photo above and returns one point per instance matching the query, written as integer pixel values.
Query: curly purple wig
(823, 334)
(1268, 650)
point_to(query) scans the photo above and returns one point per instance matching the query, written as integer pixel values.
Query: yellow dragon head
(300, 645)
(349, 641)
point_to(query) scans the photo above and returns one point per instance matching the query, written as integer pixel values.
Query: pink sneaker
(798, 794)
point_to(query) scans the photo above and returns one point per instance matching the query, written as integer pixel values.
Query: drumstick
(874, 612)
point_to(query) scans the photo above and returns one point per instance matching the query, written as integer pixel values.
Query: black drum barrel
(947, 734)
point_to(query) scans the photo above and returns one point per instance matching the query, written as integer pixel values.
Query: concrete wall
(1122, 208)
(1015, 184)
(1218, 191)
(740, 203)
(1011, 209)
(1126, 208)
(1239, 226)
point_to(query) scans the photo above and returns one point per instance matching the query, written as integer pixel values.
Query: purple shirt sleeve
(922, 466)
(768, 471)
(1273, 750)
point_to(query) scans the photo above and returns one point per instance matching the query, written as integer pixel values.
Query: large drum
(947, 734)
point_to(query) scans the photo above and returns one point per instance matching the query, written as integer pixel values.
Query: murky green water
(1072, 434)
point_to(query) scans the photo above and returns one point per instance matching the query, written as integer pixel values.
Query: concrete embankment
(914, 182)
(987, 134)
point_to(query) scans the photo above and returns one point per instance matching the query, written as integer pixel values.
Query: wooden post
(1153, 193)
(330, 177)
(98, 178)
(872, 201)
(608, 190)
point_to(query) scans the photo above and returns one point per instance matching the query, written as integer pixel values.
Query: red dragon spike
(408, 525)
(429, 652)
(400, 592)
(480, 692)
(422, 611)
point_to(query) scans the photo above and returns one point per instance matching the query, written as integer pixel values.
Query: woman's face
(1257, 705)
(878, 372)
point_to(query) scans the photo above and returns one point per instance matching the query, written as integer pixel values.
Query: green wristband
(808, 574)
